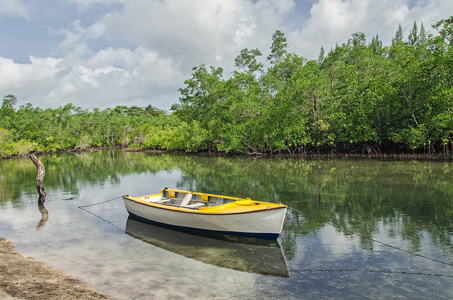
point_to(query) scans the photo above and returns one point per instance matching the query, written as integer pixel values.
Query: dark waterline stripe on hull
(266, 236)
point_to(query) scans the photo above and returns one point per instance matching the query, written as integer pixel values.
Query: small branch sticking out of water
(39, 178)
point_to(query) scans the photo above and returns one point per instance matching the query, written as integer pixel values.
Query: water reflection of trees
(355, 195)
(67, 172)
(407, 198)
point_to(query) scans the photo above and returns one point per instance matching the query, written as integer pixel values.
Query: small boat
(209, 213)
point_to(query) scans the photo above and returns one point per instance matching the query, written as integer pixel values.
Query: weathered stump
(39, 178)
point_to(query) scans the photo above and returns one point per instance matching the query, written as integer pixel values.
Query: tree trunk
(39, 178)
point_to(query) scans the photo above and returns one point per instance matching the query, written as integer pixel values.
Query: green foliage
(247, 61)
(185, 137)
(358, 94)
(6, 147)
(29, 129)
(278, 48)
(9, 147)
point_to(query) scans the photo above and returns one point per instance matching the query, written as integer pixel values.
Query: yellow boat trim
(239, 205)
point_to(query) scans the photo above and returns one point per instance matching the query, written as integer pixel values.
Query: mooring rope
(370, 271)
(101, 202)
(83, 207)
(376, 241)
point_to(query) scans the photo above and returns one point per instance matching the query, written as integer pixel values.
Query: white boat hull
(263, 223)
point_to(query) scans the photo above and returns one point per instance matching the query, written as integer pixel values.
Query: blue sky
(104, 53)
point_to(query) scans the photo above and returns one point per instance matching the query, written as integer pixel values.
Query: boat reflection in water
(232, 252)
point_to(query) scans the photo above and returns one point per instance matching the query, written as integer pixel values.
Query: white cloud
(76, 38)
(333, 21)
(170, 37)
(87, 4)
(16, 75)
(14, 7)
(109, 78)
(139, 52)
(195, 32)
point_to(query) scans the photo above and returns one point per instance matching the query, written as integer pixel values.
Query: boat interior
(188, 199)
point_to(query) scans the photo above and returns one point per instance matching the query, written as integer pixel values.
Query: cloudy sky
(104, 53)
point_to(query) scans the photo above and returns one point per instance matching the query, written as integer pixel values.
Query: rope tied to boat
(371, 271)
(83, 207)
(102, 202)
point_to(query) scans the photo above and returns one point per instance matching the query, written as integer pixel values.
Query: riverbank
(26, 278)
(341, 150)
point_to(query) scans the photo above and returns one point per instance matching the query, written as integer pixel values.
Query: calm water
(329, 249)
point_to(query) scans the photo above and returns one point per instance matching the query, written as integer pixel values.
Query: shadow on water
(44, 216)
(241, 254)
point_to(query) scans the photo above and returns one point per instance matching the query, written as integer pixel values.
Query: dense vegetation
(33, 129)
(359, 97)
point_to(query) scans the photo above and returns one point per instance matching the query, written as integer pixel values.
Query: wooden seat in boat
(185, 202)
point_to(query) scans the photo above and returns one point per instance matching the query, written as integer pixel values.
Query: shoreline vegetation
(306, 155)
(357, 100)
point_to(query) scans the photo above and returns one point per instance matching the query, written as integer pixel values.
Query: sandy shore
(26, 278)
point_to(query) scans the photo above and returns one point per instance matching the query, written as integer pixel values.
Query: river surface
(356, 229)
